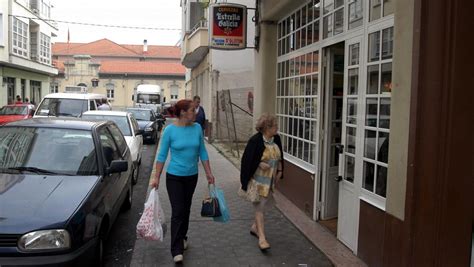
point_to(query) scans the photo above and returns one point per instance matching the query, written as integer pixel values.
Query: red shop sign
(228, 29)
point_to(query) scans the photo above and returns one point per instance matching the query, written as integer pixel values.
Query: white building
(219, 77)
(25, 49)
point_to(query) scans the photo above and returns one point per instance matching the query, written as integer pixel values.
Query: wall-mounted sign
(228, 29)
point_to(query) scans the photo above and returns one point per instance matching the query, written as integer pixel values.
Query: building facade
(223, 79)
(25, 50)
(116, 70)
(342, 76)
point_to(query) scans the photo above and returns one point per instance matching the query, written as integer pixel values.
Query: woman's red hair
(182, 105)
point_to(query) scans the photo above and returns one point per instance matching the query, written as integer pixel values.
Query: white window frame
(288, 31)
(1, 30)
(20, 37)
(174, 91)
(331, 19)
(371, 196)
(110, 90)
(45, 9)
(45, 49)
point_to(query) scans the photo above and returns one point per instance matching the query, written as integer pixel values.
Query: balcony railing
(202, 24)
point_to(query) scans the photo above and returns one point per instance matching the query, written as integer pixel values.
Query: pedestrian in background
(200, 114)
(261, 168)
(185, 142)
(27, 101)
(104, 105)
(18, 100)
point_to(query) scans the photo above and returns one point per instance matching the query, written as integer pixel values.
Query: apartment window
(110, 90)
(333, 21)
(20, 38)
(377, 115)
(1, 30)
(297, 98)
(54, 88)
(299, 29)
(379, 8)
(174, 91)
(355, 13)
(45, 49)
(45, 9)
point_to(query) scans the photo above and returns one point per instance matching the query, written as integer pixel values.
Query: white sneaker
(178, 258)
(185, 244)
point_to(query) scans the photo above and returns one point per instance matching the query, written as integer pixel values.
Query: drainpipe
(214, 88)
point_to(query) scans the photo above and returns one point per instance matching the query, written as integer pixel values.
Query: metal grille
(8, 240)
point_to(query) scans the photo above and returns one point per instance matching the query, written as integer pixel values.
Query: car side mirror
(117, 166)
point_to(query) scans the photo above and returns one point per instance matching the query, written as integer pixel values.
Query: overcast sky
(138, 13)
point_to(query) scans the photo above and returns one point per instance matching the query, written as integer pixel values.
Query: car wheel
(127, 202)
(135, 175)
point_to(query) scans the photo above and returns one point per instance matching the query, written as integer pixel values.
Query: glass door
(348, 212)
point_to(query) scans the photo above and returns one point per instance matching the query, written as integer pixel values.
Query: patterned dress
(263, 179)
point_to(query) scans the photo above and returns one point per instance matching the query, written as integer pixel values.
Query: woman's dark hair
(182, 105)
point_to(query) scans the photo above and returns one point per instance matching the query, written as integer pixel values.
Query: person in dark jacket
(200, 114)
(261, 168)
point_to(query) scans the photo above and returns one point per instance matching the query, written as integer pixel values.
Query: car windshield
(50, 150)
(62, 107)
(140, 115)
(10, 110)
(148, 99)
(121, 121)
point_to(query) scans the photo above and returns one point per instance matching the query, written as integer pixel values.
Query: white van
(68, 104)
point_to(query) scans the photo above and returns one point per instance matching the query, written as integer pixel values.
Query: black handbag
(210, 207)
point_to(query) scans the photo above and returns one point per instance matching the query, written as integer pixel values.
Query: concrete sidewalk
(230, 244)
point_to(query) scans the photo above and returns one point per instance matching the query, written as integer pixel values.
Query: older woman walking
(185, 142)
(261, 167)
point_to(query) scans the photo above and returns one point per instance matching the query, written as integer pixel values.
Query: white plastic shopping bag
(149, 226)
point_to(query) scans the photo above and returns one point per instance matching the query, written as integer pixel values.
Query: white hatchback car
(130, 130)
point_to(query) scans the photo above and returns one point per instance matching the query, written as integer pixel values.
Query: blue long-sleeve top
(186, 145)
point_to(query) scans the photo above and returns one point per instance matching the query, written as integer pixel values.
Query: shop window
(299, 29)
(377, 112)
(296, 105)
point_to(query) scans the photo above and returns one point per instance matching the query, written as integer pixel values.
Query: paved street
(119, 246)
(217, 244)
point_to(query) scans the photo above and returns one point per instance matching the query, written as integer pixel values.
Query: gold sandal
(263, 245)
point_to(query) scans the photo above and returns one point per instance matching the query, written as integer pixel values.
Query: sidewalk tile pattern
(218, 244)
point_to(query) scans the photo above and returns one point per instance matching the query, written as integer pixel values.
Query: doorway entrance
(340, 186)
(331, 129)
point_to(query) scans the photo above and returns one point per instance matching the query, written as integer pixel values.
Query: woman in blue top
(185, 142)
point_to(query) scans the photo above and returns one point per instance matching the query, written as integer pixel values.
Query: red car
(16, 112)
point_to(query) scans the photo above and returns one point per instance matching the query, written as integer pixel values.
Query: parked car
(68, 104)
(62, 185)
(149, 122)
(16, 112)
(128, 125)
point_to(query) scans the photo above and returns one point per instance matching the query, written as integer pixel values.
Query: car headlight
(148, 129)
(45, 240)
